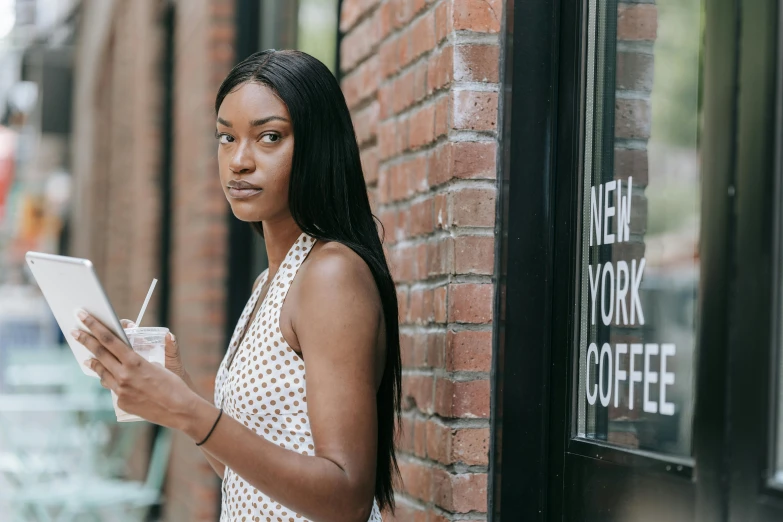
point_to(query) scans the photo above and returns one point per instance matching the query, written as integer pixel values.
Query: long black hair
(328, 200)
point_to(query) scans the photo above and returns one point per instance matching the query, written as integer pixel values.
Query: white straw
(146, 301)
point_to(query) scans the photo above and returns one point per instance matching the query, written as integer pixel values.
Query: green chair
(92, 498)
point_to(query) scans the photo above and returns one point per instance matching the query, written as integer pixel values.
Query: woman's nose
(241, 161)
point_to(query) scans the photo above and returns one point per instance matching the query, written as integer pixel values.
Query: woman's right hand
(173, 358)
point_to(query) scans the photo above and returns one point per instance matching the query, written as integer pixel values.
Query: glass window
(640, 225)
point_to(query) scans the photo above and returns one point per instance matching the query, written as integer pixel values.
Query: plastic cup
(150, 343)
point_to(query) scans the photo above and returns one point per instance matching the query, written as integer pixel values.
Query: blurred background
(107, 152)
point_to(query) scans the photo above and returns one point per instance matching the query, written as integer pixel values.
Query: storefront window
(640, 225)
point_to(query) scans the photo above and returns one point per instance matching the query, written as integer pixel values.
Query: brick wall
(119, 112)
(421, 79)
(204, 39)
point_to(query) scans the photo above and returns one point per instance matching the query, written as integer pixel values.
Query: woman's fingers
(106, 337)
(101, 352)
(108, 380)
(127, 323)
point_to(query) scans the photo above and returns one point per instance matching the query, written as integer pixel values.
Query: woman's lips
(242, 193)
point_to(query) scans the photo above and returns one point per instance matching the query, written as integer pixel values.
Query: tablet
(70, 283)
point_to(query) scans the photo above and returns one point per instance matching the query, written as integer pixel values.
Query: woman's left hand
(143, 388)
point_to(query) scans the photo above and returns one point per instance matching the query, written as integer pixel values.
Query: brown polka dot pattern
(262, 384)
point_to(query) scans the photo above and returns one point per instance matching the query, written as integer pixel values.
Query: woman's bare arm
(218, 466)
(336, 322)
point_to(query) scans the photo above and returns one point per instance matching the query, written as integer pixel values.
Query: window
(639, 270)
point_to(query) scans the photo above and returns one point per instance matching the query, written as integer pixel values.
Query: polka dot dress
(261, 383)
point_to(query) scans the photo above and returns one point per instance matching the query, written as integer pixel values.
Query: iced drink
(150, 343)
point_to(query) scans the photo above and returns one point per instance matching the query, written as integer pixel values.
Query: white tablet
(70, 283)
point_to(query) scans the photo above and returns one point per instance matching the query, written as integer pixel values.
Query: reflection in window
(640, 225)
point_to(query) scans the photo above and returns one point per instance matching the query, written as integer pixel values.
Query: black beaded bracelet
(213, 428)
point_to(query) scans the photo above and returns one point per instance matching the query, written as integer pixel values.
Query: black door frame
(540, 175)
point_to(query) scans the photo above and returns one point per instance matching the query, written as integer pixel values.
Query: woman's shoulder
(334, 266)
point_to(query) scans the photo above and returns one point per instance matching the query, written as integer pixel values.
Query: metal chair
(98, 498)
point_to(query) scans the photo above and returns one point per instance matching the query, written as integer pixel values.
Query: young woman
(306, 398)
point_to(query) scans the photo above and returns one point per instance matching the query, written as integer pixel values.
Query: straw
(146, 301)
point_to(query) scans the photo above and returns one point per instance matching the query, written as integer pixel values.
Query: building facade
(580, 208)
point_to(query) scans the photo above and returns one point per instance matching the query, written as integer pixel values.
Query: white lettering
(591, 396)
(608, 212)
(593, 286)
(636, 279)
(595, 214)
(623, 212)
(636, 376)
(605, 350)
(619, 375)
(622, 291)
(650, 377)
(607, 316)
(667, 378)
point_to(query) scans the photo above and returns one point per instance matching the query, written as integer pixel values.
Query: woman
(290, 443)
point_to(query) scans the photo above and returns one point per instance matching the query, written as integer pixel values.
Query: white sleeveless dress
(262, 384)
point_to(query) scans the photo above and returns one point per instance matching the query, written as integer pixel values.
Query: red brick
(460, 493)
(369, 158)
(436, 347)
(633, 118)
(470, 303)
(466, 446)
(416, 479)
(421, 310)
(439, 442)
(387, 139)
(442, 116)
(418, 392)
(441, 256)
(471, 447)
(402, 303)
(387, 22)
(403, 125)
(475, 110)
(403, 91)
(421, 261)
(473, 208)
(386, 100)
(635, 71)
(421, 36)
(631, 163)
(405, 512)
(388, 54)
(352, 10)
(442, 218)
(404, 437)
(474, 160)
(474, 255)
(421, 218)
(365, 123)
(462, 399)
(637, 22)
(383, 185)
(359, 43)
(420, 438)
(482, 16)
(422, 129)
(440, 69)
(477, 63)
(440, 304)
(407, 351)
(420, 81)
(469, 351)
(443, 22)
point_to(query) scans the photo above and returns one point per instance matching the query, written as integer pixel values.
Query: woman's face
(255, 151)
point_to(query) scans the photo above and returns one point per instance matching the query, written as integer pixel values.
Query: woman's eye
(270, 138)
(224, 138)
